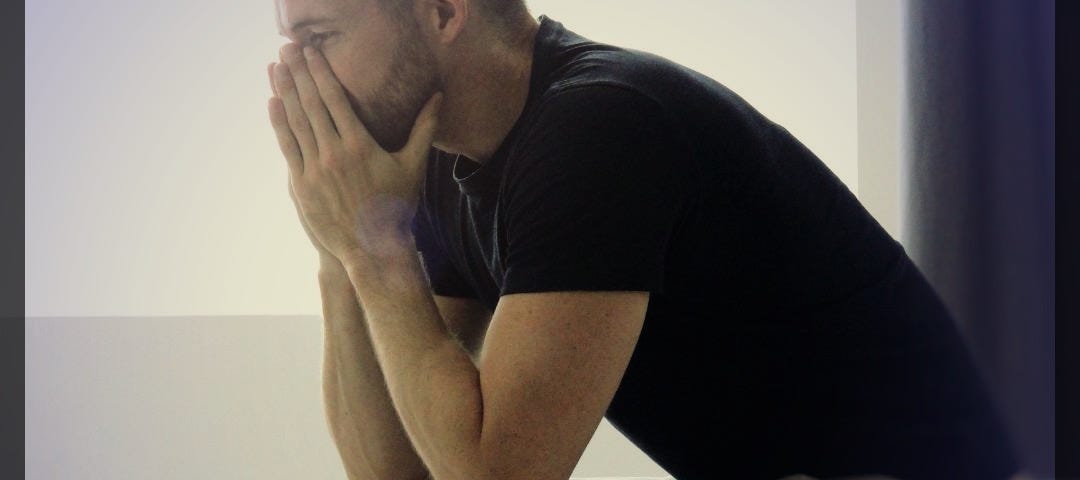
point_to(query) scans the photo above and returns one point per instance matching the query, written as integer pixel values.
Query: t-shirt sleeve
(442, 275)
(593, 197)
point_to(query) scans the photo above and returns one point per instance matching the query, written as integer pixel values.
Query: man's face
(387, 72)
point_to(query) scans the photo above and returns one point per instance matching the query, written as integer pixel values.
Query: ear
(442, 20)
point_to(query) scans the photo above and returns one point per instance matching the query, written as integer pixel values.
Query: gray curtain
(979, 181)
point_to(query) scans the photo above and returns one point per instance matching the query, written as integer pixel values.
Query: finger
(325, 132)
(270, 75)
(286, 140)
(296, 203)
(334, 97)
(298, 120)
(416, 150)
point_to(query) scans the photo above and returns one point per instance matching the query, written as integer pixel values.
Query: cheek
(355, 74)
(344, 74)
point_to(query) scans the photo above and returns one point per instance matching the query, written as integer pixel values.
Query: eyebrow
(305, 22)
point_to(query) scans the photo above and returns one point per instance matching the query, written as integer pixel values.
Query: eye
(316, 38)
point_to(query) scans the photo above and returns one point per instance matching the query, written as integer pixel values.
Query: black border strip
(12, 214)
(1067, 239)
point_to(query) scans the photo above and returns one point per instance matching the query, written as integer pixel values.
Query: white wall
(156, 192)
(881, 75)
(155, 185)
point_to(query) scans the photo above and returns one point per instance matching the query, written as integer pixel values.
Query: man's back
(786, 331)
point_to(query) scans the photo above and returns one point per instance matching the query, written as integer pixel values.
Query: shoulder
(596, 73)
(588, 133)
(598, 117)
(594, 64)
(596, 139)
(602, 99)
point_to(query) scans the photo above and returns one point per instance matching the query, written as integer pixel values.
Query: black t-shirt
(786, 331)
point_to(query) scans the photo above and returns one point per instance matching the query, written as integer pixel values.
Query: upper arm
(466, 319)
(598, 195)
(549, 368)
(588, 216)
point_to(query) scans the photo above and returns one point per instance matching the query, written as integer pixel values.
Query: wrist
(379, 252)
(386, 268)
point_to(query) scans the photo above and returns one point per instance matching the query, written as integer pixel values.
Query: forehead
(294, 14)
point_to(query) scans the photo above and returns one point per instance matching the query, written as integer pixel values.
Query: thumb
(416, 150)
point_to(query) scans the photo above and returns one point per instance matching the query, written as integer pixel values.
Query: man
(604, 233)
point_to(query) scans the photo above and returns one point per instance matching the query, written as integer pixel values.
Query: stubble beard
(410, 82)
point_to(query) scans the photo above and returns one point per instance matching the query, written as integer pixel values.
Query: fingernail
(309, 52)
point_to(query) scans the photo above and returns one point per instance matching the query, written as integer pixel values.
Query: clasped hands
(353, 197)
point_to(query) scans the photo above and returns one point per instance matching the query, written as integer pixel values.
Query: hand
(355, 197)
(327, 260)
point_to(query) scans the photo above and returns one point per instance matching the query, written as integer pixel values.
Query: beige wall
(880, 54)
(160, 232)
(155, 185)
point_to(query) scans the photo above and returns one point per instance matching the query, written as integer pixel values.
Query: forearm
(367, 431)
(434, 385)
